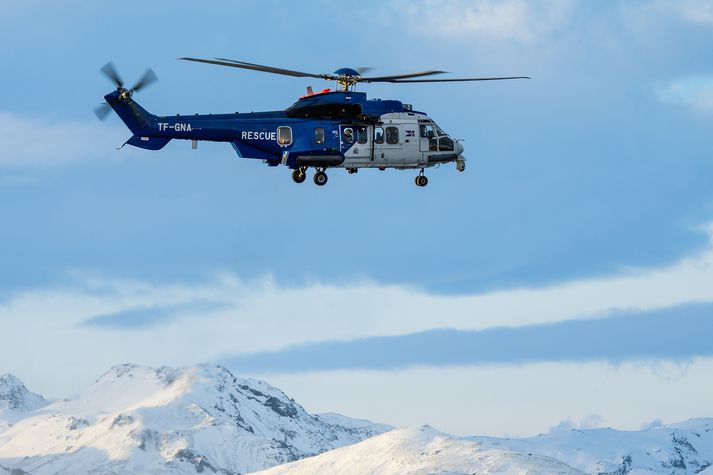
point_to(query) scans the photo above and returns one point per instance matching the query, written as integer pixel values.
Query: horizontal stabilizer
(149, 143)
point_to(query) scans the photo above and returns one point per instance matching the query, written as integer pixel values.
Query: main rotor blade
(271, 69)
(102, 111)
(363, 69)
(148, 78)
(399, 76)
(461, 79)
(110, 71)
(259, 67)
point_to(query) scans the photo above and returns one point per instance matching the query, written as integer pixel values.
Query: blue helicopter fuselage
(327, 129)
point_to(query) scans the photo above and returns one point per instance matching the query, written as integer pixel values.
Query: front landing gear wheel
(298, 176)
(320, 178)
(421, 180)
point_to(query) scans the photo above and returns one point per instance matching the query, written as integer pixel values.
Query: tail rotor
(149, 77)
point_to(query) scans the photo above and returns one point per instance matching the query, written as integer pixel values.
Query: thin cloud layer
(85, 317)
(145, 317)
(680, 333)
(695, 11)
(509, 20)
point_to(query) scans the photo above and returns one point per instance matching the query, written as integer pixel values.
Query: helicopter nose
(459, 148)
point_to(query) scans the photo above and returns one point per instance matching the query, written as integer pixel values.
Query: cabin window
(284, 135)
(378, 135)
(392, 135)
(348, 135)
(319, 135)
(362, 136)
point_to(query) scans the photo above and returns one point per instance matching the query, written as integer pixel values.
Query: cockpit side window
(427, 131)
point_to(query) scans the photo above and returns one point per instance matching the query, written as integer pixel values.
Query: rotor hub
(347, 72)
(347, 77)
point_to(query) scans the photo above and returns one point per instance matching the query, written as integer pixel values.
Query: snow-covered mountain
(16, 400)
(422, 451)
(141, 420)
(684, 448)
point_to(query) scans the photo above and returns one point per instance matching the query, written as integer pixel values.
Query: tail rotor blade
(110, 71)
(147, 79)
(102, 111)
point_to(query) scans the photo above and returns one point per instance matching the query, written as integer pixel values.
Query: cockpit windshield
(438, 140)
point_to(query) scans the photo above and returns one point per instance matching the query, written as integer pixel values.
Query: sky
(565, 279)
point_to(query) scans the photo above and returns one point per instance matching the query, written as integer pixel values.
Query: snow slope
(16, 400)
(683, 448)
(202, 419)
(422, 450)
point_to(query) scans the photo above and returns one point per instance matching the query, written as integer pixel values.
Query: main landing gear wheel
(421, 180)
(320, 178)
(298, 176)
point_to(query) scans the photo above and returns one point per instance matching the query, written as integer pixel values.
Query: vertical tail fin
(136, 118)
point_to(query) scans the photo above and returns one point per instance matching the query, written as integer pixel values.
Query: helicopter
(326, 129)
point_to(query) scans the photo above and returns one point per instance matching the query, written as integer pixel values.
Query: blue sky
(587, 194)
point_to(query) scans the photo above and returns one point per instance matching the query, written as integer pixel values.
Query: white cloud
(506, 20)
(691, 91)
(696, 11)
(592, 421)
(652, 424)
(509, 400)
(42, 328)
(39, 142)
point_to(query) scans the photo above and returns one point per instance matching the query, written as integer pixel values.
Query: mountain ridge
(204, 419)
(166, 420)
(16, 400)
(683, 448)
